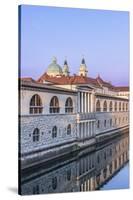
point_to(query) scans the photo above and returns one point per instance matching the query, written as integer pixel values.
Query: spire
(65, 62)
(83, 61)
(83, 68)
(66, 68)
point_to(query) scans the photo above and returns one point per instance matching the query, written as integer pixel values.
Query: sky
(101, 36)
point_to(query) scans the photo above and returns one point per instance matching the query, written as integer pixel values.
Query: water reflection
(82, 172)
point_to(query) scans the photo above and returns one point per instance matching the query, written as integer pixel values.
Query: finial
(83, 60)
(54, 59)
(65, 61)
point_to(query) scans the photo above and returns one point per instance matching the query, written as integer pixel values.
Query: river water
(104, 169)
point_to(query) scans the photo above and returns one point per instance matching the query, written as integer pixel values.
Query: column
(89, 102)
(92, 128)
(88, 184)
(92, 102)
(85, 186)
(80, 130)
(87, 129)
(78, 103)
(85, 102)
(83, 130)
(82, 102)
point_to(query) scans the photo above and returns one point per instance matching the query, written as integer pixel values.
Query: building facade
(60, 113)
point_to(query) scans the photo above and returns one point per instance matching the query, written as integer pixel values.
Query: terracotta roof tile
(122, 88)
(28, 79)
(64, 80)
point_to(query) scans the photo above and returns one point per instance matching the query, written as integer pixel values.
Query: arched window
(98, 108)
(105, 106)
(105, 173)
(119, 120)
(98, 179)
(110, 168)
(115, 121)
(36, 189)
(110, 106)
(35, 104)
(110, 122)
(115, 106)
(69, 175)
(98, 124)
(110, 152)
(36, 135)
(54, 132)
(54, 105)
(105, 156)
(123, 106)
(69, 129)
(119, 106)
(54, 183)
(69, 105)
(105, 122)
(115, 164)
(126, 106)
(98, 159)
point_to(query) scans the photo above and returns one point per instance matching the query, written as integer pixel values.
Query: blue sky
(101, 36)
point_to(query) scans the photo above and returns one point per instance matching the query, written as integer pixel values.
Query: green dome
(54, 69)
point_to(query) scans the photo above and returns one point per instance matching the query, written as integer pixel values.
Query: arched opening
(54, 183)
(69, 105)
(69, 129)
(36, 135)
(119, 106)
(115, 106)
(54, 132)
(98, 124)
(105, 123)
(123, 107)
(36, 104)
(110, 106)
(126, 106)
(105, 106)
(98, 107)
(54, 105)
(110, 122)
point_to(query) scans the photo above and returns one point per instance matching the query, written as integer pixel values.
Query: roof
(37, 85)
(122, 89)
(77, 80)
(27, 79)
(66, 80)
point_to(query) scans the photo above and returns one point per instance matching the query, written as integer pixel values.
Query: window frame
(35, 106)
(36, 135)
(53, 108)
(69, 108)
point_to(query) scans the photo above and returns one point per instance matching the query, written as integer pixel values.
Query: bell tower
(66, 69)
(83, 68)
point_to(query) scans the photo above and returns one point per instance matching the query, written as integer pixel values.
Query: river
(104, 169)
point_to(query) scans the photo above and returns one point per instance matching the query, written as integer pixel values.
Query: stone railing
(85, 116)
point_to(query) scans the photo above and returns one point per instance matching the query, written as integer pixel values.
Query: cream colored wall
(26, 96)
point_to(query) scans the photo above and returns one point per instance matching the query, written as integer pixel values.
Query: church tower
(66, 69)
(83, 68)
